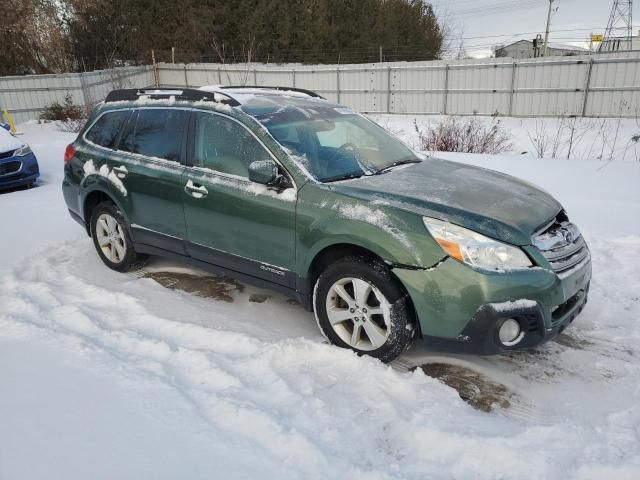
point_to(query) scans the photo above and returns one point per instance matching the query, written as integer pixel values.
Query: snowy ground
(106, 376)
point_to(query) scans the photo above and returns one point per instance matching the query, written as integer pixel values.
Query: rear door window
(157, 133)
(105, 131)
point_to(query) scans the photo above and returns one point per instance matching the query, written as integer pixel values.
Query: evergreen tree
(94, 34)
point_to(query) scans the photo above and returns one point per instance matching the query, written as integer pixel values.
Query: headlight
(22, 151)
(475, 249)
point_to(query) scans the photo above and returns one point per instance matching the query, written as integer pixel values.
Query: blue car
(18, 164)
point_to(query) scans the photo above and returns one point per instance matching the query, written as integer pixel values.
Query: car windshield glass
(332, 142)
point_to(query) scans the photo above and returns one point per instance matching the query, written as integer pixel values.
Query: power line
(497, 8)
(531, 33)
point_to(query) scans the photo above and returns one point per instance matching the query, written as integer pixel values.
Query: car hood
(8, 142)
(492, 203)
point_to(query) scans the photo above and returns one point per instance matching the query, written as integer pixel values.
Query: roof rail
(311, 93)
(188, 94)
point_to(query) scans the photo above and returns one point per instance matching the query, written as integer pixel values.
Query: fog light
(510, 332)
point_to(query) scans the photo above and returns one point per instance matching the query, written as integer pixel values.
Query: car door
(231, 221)
(149, 162)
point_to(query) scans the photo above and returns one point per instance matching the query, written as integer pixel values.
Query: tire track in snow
(315, 410)
(189, 357)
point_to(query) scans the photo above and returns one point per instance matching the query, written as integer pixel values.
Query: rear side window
(225, 146)
(105, 131)
(157, 133)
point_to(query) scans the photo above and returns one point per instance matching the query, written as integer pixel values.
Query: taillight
(69, 153)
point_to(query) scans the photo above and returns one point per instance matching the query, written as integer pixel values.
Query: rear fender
(97, 183)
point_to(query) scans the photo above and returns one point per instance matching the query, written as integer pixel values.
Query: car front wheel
(360, 305)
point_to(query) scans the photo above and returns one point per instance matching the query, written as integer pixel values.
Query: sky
(485, 23)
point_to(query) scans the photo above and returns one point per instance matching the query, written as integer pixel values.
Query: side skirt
(304, 299)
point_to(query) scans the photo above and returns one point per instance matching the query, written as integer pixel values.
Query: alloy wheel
(359, 313)
(110, 236)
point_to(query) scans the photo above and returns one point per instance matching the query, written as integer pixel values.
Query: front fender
(327, 218)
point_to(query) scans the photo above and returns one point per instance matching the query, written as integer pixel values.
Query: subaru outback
(281, 188)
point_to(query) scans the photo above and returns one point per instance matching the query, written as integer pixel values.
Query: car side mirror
(264, 172)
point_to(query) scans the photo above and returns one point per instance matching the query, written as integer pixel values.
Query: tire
(385, 316)
(109, 228)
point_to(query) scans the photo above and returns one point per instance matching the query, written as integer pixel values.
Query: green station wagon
(283, 189)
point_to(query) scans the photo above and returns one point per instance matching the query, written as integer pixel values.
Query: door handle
(121, 171)
(196, 191)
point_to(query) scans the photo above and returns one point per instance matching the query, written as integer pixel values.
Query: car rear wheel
(360, 305)
(111, 238)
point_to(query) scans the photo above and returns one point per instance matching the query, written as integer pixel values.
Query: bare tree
(248, 52)
(33, 38)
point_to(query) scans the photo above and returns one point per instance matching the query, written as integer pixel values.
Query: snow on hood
(489, 202)
(8, 142)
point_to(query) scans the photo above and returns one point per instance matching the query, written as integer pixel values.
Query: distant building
(527, 49)
(620, 44)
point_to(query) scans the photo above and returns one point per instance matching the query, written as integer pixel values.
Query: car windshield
(333, 143)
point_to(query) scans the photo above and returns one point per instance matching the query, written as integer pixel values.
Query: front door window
(225, 146)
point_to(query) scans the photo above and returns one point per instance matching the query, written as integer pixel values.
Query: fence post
(219, 76)
(513, 87)
(156, 78)
(294, 78)
(446, 88)
(84, 87)
(586, 87)
(338, 82)
(388, 87)
(186, 80)
(255, 77)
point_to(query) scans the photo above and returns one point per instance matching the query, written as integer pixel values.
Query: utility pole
(546, 33)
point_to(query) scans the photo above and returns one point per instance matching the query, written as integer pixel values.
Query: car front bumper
(18, 171)
(461, 310)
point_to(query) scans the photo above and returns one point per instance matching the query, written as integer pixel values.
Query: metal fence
(606, 85)
(591, 86)
(26, 97)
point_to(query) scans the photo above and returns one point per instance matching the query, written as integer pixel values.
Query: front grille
(561, 244)
(6, 154)
(10, 168)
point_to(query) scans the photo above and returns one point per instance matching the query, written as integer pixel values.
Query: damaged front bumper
(461, 310)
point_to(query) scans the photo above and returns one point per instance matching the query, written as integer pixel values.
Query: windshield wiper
(396, 164)
(337, 178)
